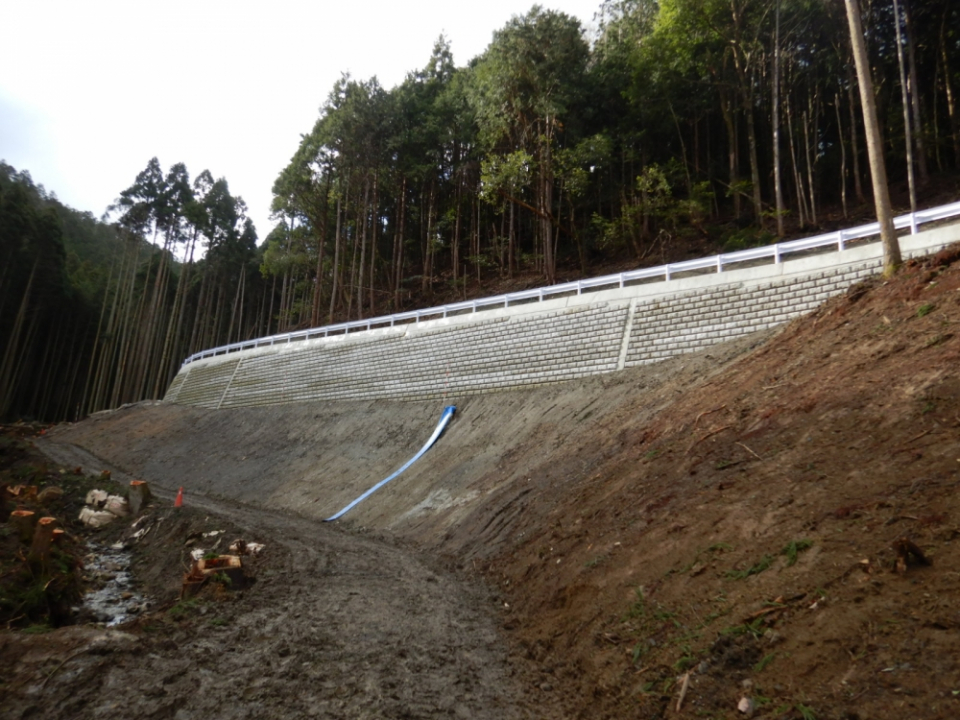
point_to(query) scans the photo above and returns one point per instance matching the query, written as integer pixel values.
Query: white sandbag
(96, 518)
(117, 505)
(96, 498)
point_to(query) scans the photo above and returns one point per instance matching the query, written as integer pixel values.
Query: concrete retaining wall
(536, 343)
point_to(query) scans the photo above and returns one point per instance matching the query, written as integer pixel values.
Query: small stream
(112, 599)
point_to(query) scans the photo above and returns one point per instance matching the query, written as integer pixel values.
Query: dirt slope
(723, 522)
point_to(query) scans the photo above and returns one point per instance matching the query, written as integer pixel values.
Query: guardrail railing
(716, 262)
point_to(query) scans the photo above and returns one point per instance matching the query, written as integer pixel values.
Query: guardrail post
(719, 264)
(666, 271)
(776, 254)
(621, 281)
(418, 318)
(840, 243)
(913, 223)
(579, 287)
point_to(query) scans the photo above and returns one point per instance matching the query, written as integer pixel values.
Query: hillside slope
(725, 521)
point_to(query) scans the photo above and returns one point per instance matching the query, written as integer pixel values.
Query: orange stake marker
(179, 501)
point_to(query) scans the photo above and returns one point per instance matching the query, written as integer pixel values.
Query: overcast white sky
(91, 90)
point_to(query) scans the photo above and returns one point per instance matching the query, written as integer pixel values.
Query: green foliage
(655, 190)
(183, 609)
(79, 287)
(754, 628)
(925, 309)
(686, 661)
(791, 551)
(530, 77)
(744, 238)
(646, 143)
(639, 607)
(764, 564)
(504, 175)
(764, 662)
(794, 548)
(611, 235)
(40, 598)
(35, 284)
(38, 629)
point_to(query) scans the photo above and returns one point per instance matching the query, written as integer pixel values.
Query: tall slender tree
(878, 167)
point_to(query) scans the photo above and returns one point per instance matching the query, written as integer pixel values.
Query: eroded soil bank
(721, 528)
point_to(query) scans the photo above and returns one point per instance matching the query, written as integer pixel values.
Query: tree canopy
(676, 125)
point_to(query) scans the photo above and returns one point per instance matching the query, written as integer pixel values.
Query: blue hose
(444, 420)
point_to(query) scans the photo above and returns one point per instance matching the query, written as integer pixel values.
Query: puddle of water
(112, 598)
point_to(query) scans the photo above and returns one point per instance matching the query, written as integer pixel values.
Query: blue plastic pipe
(444, 420)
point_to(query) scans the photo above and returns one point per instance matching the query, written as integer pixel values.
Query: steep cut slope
(746, 533)
(724, 523)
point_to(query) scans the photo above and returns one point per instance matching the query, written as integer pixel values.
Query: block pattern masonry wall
(535, 344)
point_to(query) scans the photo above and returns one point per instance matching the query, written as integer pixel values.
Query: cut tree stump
(139, 495)
(23, 521)
(42, 539)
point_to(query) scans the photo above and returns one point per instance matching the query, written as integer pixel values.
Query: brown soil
(327, 624)
(737, 522)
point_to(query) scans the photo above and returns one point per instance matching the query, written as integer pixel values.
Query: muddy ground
(773, 523)
(332, 624)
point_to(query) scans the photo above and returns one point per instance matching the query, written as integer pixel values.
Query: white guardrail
(715, 262)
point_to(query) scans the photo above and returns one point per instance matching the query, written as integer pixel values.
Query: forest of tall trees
(677, 126)
(96, 314)
(682, 124)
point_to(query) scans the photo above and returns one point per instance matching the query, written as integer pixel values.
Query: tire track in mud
(337, 625)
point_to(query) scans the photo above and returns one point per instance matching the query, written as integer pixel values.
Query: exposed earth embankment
(726, 527)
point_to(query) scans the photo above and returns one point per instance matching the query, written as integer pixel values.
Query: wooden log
(42, 539)
(139, 495)
(23, 522)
